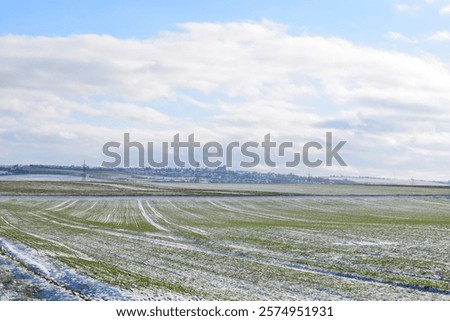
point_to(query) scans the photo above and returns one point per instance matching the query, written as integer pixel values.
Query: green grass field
(218, 242)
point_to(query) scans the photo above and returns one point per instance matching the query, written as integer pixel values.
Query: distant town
(197, 175)
(189, 175)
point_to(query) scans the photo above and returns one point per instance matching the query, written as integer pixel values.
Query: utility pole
(84, 173)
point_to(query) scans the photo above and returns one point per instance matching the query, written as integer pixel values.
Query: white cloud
(144, 116)
(440, 36)
(397, 36)
(221, 81)
(445, 10)
(407, 8)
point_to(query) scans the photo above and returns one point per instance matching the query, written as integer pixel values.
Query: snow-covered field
(389, 181)
(46, 178)
(227, 248)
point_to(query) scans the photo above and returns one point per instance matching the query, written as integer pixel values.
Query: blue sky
(76, 74)
(363, 21)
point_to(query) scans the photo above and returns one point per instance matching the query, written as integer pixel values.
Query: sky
(77, 74)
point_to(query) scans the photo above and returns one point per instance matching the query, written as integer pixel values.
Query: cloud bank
(61, 98)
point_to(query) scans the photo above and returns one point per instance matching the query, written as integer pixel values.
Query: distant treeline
(207, 175)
